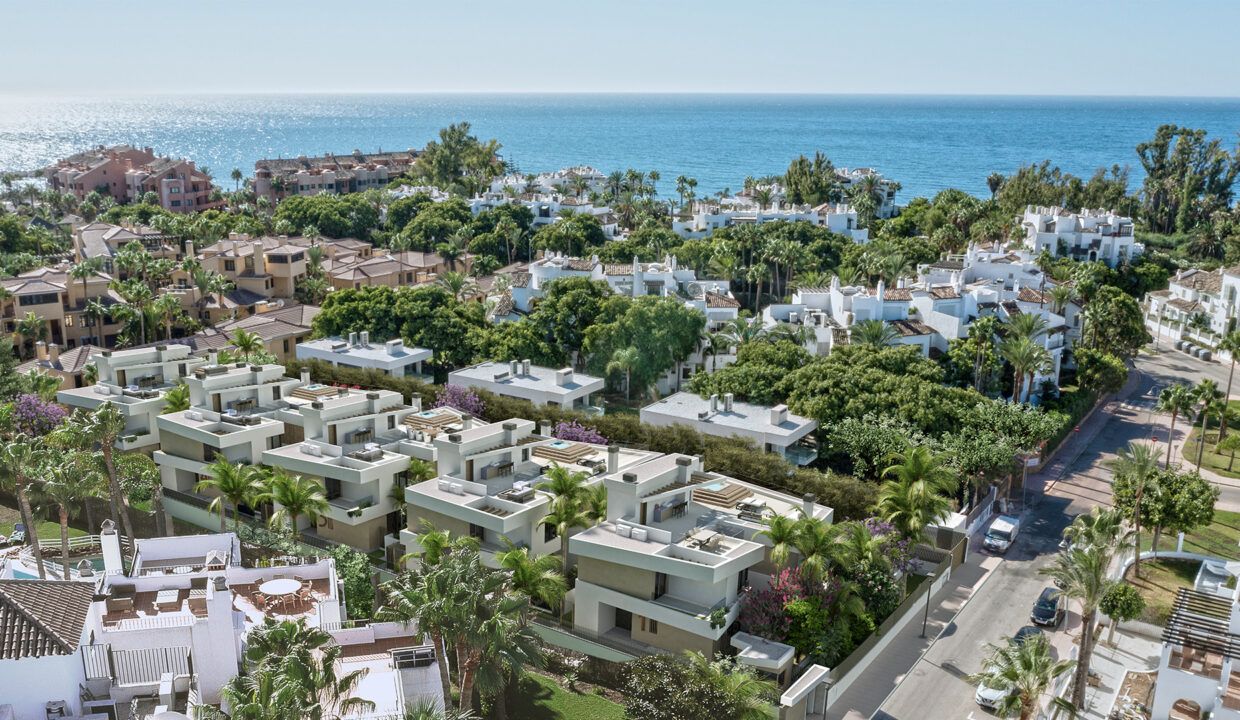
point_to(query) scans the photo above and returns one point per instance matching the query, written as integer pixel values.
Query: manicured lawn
(1220, 538)
(47, 530)
(539, 697)
(1159, 581)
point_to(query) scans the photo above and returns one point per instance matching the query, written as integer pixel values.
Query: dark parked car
(1049, 609)
(1025, 633)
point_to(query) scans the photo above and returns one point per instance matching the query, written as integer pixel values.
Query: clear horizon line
(600, 93)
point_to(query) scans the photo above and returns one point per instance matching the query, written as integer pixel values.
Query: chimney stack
(807, 503)
(352, 339)
(53, 353)
(525, 367)
(727, 402)
(305, 376)
(564, 377)
(110, 542)
(613, 458)
(40, 350)
(365, 338)
(683, 468)
(514, 367)
(714, 403)
(779, 414)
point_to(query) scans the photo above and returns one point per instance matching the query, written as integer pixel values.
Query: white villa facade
(1087, 235)
(518, 379)
(391, 357)
(705, 218)
(773, 429)
(1211, 294)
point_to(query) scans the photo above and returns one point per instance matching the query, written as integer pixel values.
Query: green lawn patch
(1159, 581)
(1220, 538)
(538, 697)
(47, 530)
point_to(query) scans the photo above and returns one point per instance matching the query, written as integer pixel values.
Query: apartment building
(668, 567)
(61, 301)
(104, 240)
(1087, 235)
(356, 444)
(1199, 668)
(390, 358)
(126, 174)
(1192, 294)
(773, 429)
(262, 267)
(564, 181)
(68, 366)
(329, 173)
(706, 218)
(487, 484)
(166, 636)
(134, 381)
(564, 388)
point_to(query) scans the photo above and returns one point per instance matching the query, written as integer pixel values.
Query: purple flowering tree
(896, 548)
(35, 416)
(577, 432)
(460, 398)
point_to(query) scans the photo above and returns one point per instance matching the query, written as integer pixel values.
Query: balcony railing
(190, 499)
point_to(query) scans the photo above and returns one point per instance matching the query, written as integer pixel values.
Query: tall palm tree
(104, 426)
(538, 578)
(236, 178)
(714, 343)
(873, 333)
(21, 459)
(816, 542)
(1101, 528)
(235, 484)
(1027, 358)
(458, 285)
(168, 308)
(85, 270)
(247, 343)
(435, 544)
(1207, 393)
(427, 598)
(511, 648)
(296, 497)
(1231, 343)
(1081, 573)
(568, 491)
(625, 360)
(1176, 399)
(1061, 296)
(32, 329)
(916, 495)
(1027, 325)
(594, 503)
(1027, 670)
(1137, 463)
(63, 488)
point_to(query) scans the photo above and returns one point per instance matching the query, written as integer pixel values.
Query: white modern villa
(773, 429)
(519, 379)
(1087, 235)
(391, 357)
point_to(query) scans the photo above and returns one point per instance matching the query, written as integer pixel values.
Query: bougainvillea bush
(576, 432)
(35, 416)
(460, 398)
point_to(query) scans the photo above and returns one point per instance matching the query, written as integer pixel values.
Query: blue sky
(1041, 47)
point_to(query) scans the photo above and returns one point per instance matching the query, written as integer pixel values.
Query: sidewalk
(1111, 664)
(1079, 441)
(864, 697)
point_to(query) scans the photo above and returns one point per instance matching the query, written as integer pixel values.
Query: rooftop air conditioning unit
(639, 534)
(624, 530)
(458, 488)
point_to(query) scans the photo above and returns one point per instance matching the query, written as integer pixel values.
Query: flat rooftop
(687, 407)
(339, 350)
(538, 378)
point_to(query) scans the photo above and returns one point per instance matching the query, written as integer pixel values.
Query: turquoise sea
(926, 143)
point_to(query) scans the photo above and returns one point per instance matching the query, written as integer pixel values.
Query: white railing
(154, 622)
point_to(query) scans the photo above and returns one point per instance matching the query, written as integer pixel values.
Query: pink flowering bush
(460, 398)
(577, 432)
(764, 612)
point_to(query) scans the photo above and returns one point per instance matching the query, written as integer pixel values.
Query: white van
(1002, 534)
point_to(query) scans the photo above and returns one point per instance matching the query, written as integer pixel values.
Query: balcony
(800, 454)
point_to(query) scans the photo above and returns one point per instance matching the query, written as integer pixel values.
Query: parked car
(989, 697)
(1002, 534)
(1050, 608)
(1025, 633)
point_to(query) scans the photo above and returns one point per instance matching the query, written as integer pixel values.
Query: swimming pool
(715, 486)
(560, 444)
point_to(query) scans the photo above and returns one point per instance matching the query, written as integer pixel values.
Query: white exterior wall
(29, 683)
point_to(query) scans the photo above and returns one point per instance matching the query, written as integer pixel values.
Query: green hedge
(734, 457)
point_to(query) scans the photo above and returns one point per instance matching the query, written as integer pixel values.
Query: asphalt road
(936, 686)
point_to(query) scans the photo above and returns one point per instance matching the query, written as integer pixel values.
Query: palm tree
(1027, 325)
(1207, 393)
(994, 181)
(748, 696)
(236, 178)
(176, 398)
(568, 491)
(235, 484)
(42, 384)
(85, 270)
(782, 531)
(1139, 464)
(917, 493)
(168, 307)
(435, 544)
(64, 489)
(625, 360)
(453, 248)
(1027, 670)
(32, 329)
(1061, 297)
(1100, 528)
(296, 497)
(714, 343)
(1027, 358)
(1081, 573)
(538, 578)
(1231, 343)
(427, 598)
(1176, 399)
(815, 541)
(247, 343)
(104, 426)
(458, 285)
(594, 503)
(424, 709)
(20, 458)
(873, 333)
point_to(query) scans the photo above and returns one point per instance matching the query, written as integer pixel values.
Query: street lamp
(929, 590)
